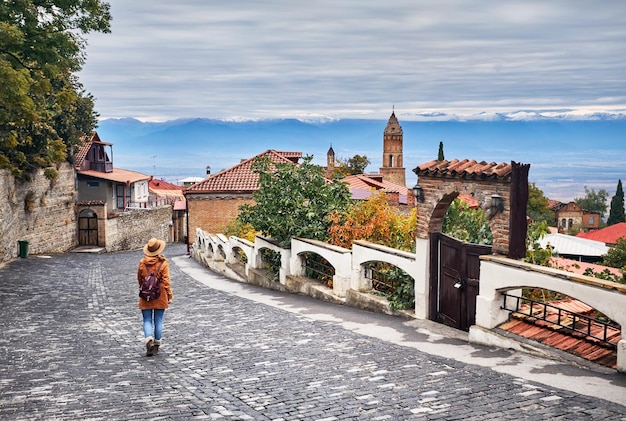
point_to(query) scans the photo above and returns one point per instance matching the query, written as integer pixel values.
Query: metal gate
(454, 277)
(87, 228)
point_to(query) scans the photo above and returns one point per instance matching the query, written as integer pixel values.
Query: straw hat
(154, 247)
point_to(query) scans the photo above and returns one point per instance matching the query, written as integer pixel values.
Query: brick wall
(439, 194)
(212, 213)
(40, 211)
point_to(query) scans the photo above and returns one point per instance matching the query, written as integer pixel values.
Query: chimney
(208, 170)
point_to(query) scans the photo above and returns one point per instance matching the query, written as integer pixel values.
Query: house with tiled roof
(112, 204)
(608, 235)
(571, 216)
(98, 180)
(215, 201)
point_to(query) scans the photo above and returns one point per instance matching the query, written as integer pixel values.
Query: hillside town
(280, 288)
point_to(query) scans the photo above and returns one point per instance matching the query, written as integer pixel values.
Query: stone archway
(442, 181)
(502, 192)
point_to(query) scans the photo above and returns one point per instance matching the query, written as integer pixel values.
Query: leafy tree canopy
(43, 108)
(616, 213)
(537, 208)
(465, 224)
(293, 201)
(374, 220)
(350, 166)
(616, 256)
(593, 201)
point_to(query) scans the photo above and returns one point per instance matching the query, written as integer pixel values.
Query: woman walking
(153, 308)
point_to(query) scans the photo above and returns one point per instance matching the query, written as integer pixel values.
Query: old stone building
(570, 216)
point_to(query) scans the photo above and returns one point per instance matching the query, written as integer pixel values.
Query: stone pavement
(71, 348)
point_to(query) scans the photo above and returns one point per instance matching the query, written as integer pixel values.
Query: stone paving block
(71, 348)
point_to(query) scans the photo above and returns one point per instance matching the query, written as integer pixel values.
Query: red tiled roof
(163, 189)
(83, 149)
(608, 235)
(575, 266)
(157, 184)
(471, 201)
(241, 178)
(553, 204)
(549, 333)
(363, 185)
(465, 169)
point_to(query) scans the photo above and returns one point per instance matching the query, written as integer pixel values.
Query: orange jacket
(147, 263)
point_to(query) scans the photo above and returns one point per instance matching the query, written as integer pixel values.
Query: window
(570, 223)
(563, 223)
(591, 220)
(93, 184)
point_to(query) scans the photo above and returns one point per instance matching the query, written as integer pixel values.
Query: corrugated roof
(241, 178)
(573, 246)
(117, 175)
(608, 235)
(465, 169)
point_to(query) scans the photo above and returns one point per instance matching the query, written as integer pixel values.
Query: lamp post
(418, 193)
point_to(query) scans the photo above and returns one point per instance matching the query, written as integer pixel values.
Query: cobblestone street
(71, 348)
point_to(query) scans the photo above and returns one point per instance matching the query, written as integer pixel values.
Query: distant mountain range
(565, 154)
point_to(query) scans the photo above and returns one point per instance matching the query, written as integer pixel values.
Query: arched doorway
(87, 228)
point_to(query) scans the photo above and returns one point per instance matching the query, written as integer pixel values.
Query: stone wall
(132, 229)
(40, 211)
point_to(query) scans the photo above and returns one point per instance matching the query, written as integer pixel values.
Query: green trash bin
(23, 248)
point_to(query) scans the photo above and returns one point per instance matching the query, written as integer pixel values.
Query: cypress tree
(440, 155)
(616, 214)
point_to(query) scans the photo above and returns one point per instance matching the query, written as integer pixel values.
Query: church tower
(392, 169)
(330, 159)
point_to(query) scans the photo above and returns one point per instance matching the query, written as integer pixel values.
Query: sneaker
(149, 348)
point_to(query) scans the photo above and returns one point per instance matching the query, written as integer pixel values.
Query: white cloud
(356, 58)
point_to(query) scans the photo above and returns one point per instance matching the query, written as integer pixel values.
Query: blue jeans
(153, 323)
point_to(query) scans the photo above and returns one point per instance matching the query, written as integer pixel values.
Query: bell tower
(392, 169)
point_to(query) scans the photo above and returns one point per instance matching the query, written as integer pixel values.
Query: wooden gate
(455, 271)
(87, 228)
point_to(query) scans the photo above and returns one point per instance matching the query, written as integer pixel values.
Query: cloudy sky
(357, 58)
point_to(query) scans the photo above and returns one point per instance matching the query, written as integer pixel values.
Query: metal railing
(381, 281)
(576, 322)
(316, 267)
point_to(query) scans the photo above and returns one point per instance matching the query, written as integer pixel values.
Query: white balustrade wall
(497, 275)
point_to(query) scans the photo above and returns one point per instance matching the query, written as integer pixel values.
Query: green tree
(616, 256)
(616, 213)
(350, 166)
(293, 201)
(593, 201)
(470, 225)
(537, 207)
(440, 156)
(43, 108)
